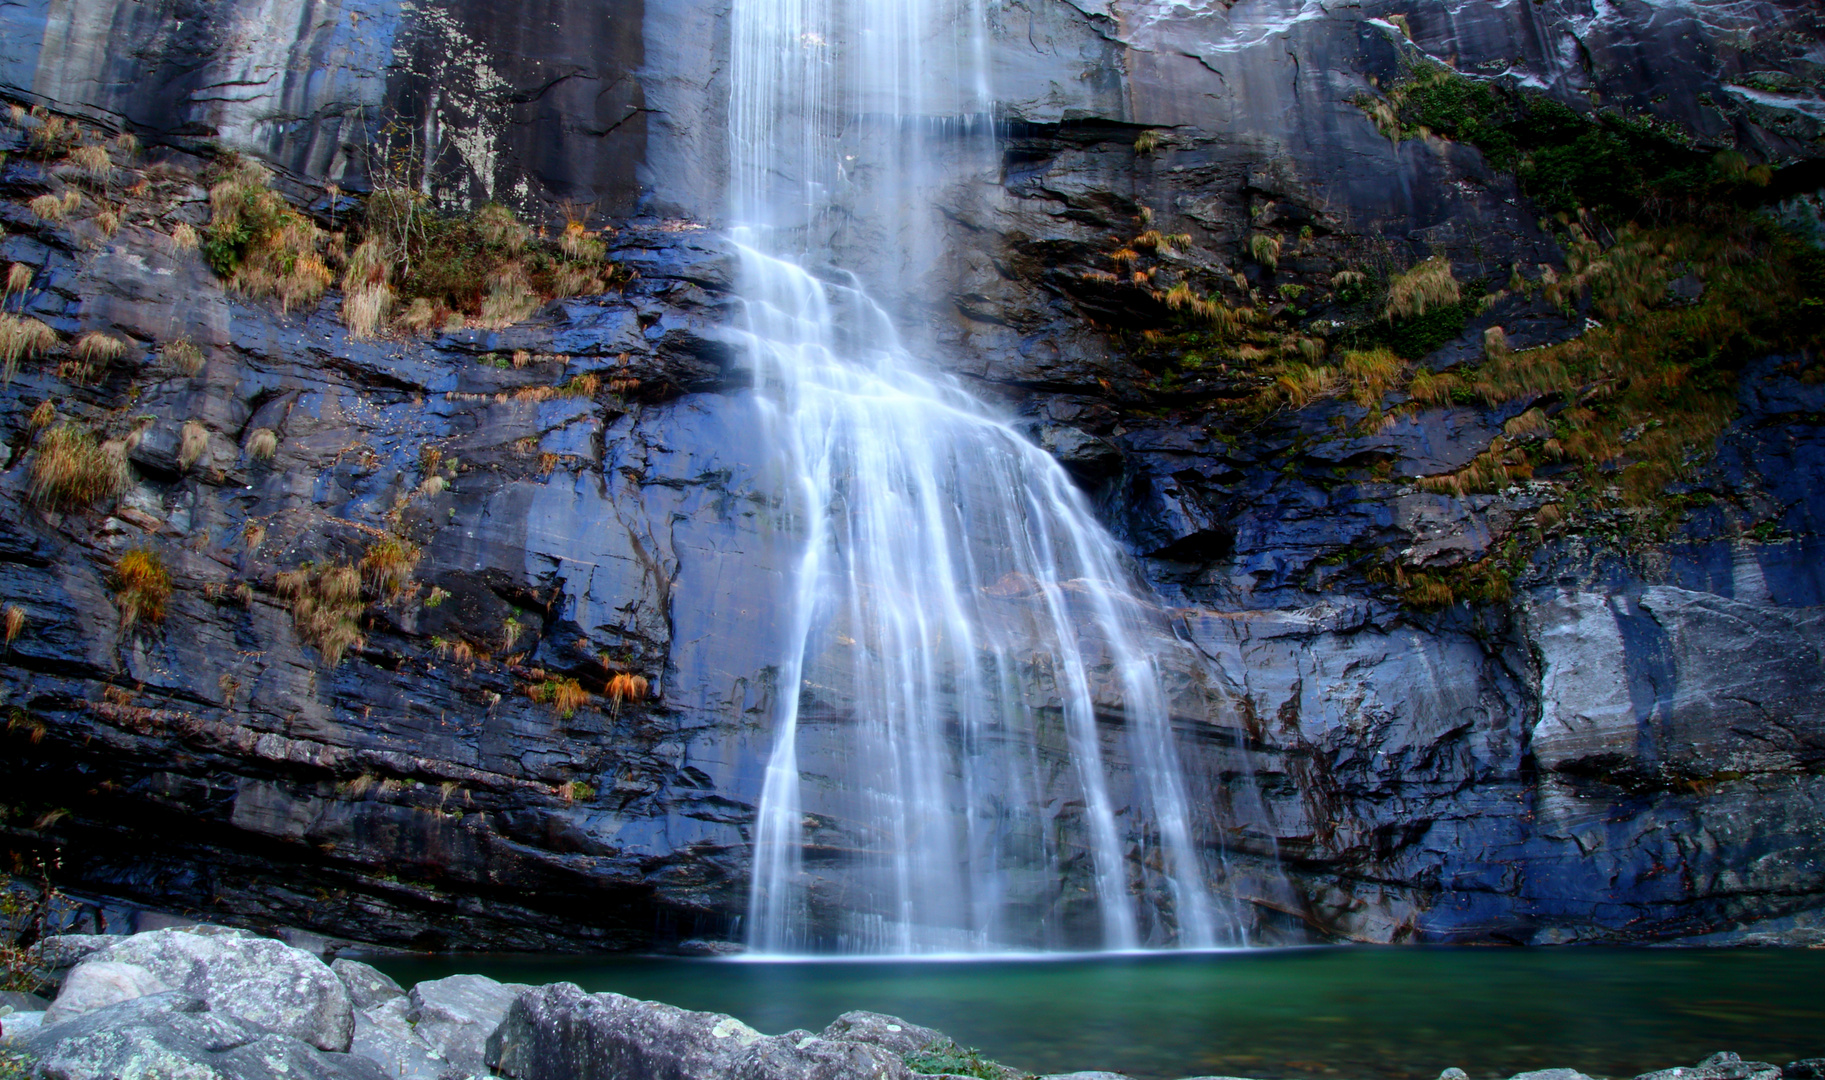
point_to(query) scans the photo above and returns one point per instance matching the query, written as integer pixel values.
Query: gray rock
(384, 1036)
(890, 1033)
(558, 1032)
(177, 1037)
(367, 985)
(1551, 1074)
(1454, 1073)
(21, 1002)
(1720, 1066)
(264, 982)
(455, 1016)
(1111, 1076)
(60, 952)
(802, 1056)
(20, 1024)
(1804, 1069)
(97, 983)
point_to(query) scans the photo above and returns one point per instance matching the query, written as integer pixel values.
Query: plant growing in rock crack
(263, 444)
(71, 470)
(326, 607)
(142, 587)
(946, 1058)
(624, 686)
(258, 243)
(96, 347)
(183, 356)
(565, 695)
(13, 619)
(21, 337)
(193, 441)
(26, 909)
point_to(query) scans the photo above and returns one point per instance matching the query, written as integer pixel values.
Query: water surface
(1367, 1013)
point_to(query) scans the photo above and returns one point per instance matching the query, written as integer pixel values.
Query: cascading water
(972, 749)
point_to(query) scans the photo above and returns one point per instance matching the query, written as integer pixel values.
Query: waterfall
(972, 750)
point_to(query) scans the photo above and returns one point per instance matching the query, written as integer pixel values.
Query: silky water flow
(972, 750)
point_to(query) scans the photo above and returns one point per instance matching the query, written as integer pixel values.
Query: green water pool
(1369, 1013)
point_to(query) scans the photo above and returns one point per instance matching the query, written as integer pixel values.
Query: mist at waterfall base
(1400, 1013)
(972, 748)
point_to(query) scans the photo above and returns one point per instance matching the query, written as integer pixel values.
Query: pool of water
(1366, 1013)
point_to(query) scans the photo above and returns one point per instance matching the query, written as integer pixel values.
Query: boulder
(558, 1032)
(98, 983)
(19, 1024)
(803, 1056)
(177, 1036)
(255, 979)
(1551, 1074)
(367, 985)
(1723, 1066)
(890, 1033)
(455, 1016)
(1804, 1069)
(60, 952)
(384, 1036)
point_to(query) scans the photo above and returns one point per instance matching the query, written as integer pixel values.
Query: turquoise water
(1366, 1013)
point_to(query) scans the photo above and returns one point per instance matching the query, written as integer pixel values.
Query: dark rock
(22, 1002)
(1804, 1069)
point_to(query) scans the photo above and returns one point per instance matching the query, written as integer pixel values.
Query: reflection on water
(1329, 1012)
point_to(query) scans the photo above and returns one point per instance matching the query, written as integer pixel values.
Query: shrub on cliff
(142, 587)
(258, 243)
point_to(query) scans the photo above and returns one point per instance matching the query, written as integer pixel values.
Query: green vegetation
(142, 587)
(1564, 160)
(257, 242)
(565, 695)
(945, 1057)
(326, 607)
(26, 901)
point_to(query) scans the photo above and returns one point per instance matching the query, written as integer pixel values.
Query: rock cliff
(1459, 684)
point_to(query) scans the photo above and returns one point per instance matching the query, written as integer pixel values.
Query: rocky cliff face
(1622, 742)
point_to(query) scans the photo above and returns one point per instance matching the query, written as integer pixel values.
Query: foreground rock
(255, 980)
(558, 1032)
(176, 1035)
(261, 994)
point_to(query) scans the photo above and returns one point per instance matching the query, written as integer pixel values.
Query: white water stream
(972, 748)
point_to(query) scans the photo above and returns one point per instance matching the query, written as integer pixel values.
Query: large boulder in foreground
(263, 982)
(176, 1036)
(558, 1032)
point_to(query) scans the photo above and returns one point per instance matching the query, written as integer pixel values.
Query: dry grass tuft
(184, 237)
(1495, 343)
(1264, 248)
(1372, 374)
(1427, 287)
(70, 470)
(14, 619)
(95, 347)
(626, 687)
(142, 586)
(263, 444)
(183, 356)
(387, 566)
(192, 444)
(22, 337)
(259, 243)
(48, 207)
(565, 695)
(1302, 385)
(1147, 142)
(44, 414)
(19, 278)
(326, 607)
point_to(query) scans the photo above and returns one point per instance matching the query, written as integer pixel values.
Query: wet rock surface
(1629, 750)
